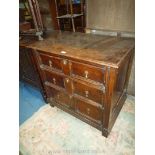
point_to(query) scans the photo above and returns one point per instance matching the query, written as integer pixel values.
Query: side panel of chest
(116, 91)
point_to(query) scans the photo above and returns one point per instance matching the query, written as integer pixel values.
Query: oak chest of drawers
(85, 75)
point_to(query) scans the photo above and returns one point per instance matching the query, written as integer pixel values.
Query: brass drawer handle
(65, 62)
(54, 80)
(50, 63)
(88, 111)
(67, 80)
(86, 74)
(86, 93)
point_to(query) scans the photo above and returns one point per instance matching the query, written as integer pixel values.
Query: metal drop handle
(50, 63)
(65, 62)
(54, 80)
(86, 74)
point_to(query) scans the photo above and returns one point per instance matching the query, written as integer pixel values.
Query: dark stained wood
(54, 78)
(28, 71)
(25, 26)
(66, 66)
(65, 23)
(51, 62)
(110, 82)
(90, 111)
(27, 68)
(52, 8)
(96, 49)
(129, 68)
(88, 90)
(81, 117)
(68, 85)
(87, 72)
(115, 113)
(87, 76)
(59, 96)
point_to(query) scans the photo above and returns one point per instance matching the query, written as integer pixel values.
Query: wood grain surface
(116, 15)
(102, 50)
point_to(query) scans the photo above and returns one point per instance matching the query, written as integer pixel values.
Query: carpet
(50, 131)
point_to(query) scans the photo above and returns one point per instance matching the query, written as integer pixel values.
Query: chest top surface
(103, 50)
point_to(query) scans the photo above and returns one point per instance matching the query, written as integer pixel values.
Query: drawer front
(88, 92)
(54, 78)
(87, 72)
(59, 97)
(52, 62)
(88, 110)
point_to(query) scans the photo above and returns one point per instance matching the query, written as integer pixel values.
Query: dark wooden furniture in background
(52, 8)
(27, 69)
(85, 75)
(61, 21)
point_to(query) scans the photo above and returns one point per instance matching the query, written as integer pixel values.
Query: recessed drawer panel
(59, 97)
(52, 62)
(87, 72)
(88, 110)
(88, 91)
(54, 78)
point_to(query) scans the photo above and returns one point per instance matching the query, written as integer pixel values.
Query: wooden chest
(85, 75)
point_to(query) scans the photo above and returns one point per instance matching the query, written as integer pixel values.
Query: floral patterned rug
(50, 131)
